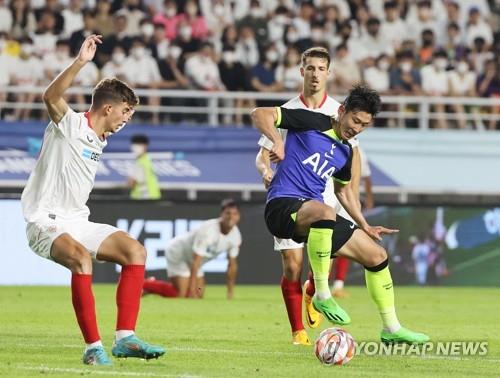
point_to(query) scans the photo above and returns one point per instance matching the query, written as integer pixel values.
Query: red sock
(84, 305)
(163, 288)
(341, 268)
(292, 294)
(310, 289)
(128, 296)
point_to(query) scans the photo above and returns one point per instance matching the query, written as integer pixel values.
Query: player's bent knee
(137, 253)
(378, 261)
(78, 259)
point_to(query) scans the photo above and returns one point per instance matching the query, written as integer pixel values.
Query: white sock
(338, 285)
(390, 320)
(322, 289)
(93, 345)
(121, 333)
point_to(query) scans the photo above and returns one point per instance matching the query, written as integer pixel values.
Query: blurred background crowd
(399, 47)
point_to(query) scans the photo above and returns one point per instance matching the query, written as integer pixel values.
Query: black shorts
(280, 220)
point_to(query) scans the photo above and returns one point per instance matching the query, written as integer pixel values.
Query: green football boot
(331, 311)
(404, 335)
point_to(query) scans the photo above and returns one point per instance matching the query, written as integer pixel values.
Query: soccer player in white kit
(315, 71)
(54, 207)
(186, 254)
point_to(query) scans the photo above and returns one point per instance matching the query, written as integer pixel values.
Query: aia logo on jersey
(320, 166)
(91, 155)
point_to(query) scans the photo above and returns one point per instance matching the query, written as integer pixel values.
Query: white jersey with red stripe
(64, 175)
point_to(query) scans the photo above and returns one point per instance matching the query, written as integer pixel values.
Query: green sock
(319, 248)
(379, 285)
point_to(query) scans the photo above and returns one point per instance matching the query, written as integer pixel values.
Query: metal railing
(216, 105)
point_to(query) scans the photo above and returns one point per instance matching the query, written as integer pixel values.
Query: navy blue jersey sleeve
(301, 119)
(344, 175)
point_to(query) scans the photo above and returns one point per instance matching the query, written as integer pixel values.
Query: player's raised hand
(376, 232)
(89, 47)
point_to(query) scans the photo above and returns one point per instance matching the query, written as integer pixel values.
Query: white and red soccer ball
(334, 346)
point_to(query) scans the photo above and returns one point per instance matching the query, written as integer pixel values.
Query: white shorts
(179, 268)
(42, 233)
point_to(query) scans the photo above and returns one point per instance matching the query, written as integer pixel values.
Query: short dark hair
(115, 91)
(228, 203)
(139, 139)
(362, 98)
(316, 52)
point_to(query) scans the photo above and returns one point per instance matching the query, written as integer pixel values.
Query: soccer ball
(334, 346)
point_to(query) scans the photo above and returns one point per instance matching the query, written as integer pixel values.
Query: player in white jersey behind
(314, 70)
(186, 254)
(54, 206)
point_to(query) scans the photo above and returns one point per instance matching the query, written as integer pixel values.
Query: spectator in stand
(57, 61)
(134, 12)
(452, 16)
(427, 46)
(304, 19)
(186, 41)
(196, 21)
(477, 27)
(27, 71)
(424, 20)
(435, 84)
(23, 19)
(343, 36)
(372, 44)
(202, 70)
(115, 67)
(453, 44)
(277, 24)
(118, 37)
(229, 39)
(247, 48)
(146, 33)
(393, 27)
(332, 22)
(104, 20)
(488, 85)
(359, 24)
(347, 72)
(288, 72)
(159, 44)
(73, 18)
(318, 35)
(45, 37)
(263, 75)
(173, 78)
(89, 27)
(218, 14)
(233, 76)
(51, 6)
(5, 17)
(169, 18)
(141, 71)
(256, 20)
(405, 79)
(376, 74)
(479, 54)
(462, 83)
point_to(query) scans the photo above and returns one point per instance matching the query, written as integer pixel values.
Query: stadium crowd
(398, 47)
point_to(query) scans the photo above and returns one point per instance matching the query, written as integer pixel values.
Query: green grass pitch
(248, 336)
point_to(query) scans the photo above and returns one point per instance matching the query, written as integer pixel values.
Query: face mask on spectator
(27, 48)
(138, 52)
(317, 35)
(192, 10)
(229, 57)
(147, 30)
(440, 64)
(175, 52)
(62, 54)
(118, 57)
(281, 19)
(256, 12)
(405, 67)
(272, 56)
(170, 12)
(138, 149)
(292, 37)
(462, 67)
(219, 10)
(384, 65)
(292, 59)
(185, 32)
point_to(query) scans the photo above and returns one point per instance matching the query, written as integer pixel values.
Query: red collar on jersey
(303, 99)
(87, 115)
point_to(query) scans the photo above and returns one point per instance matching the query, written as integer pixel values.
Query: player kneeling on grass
(317, 149)
(54, 206)
(187, 253)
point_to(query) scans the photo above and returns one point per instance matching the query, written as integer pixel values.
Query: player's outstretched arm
(53, 95)
(264, 120)
(348, 200)
(263, 165)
